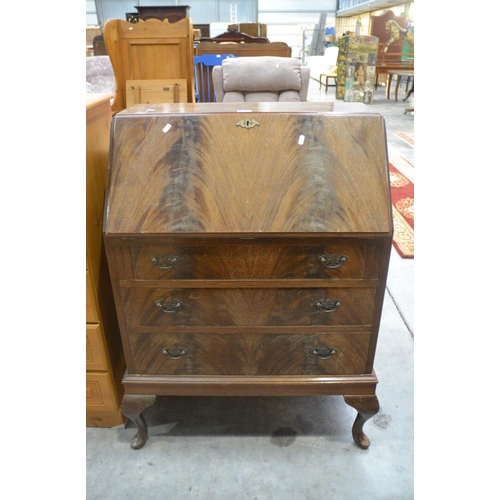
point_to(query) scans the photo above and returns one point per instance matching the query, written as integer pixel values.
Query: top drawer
(248, 261)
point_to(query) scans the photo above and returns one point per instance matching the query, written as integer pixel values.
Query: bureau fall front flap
(247, 172)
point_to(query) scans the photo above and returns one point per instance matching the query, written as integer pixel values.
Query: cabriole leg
(132, 407)
(367, 407)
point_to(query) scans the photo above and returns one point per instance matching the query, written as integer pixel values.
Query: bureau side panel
(118, 258)
(383, 254)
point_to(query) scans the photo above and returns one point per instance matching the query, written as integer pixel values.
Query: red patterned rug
(408, 138)
(401, 176)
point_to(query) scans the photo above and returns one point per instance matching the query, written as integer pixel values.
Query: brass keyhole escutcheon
(246, 123)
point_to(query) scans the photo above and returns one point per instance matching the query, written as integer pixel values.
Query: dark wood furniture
(278, 49)
(204, 29)
(99, 46)
(173, 13)
(248, 252)
(151, 50)
(235, 36)
(384, 68)
(252, 29)
(378, 29)
(410, 75)
(105, 362)
(392, 59)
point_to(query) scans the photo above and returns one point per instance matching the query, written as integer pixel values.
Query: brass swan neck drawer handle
(324, 352)
(165, 261)
(174, 352)
(169, 306)
(332, 261)
(327, 305)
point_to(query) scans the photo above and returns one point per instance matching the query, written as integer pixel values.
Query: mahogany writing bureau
(248, 249)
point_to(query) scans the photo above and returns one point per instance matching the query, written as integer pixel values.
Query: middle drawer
(248, 306)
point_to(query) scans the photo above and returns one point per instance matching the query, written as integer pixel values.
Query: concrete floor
(279, 448)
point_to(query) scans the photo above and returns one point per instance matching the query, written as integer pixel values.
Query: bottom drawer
(96, 349)
(249, 354)
(100, 391)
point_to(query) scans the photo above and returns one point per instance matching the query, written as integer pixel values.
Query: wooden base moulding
(141, 392)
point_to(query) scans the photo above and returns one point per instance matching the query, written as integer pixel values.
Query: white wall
(201, 11)
(289, 21)
(293, 21)
(91, 13)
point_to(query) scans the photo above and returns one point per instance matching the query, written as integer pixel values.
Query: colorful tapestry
(341, 67)
(360, 69)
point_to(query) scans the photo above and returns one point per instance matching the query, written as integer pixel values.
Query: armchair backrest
(261, 79)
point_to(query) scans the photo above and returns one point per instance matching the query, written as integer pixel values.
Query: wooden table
(399, 74)
(382, 68)
(328, 75)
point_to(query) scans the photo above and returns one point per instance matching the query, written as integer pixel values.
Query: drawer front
(250, 354)
(100, 391)
(92, 313)
(245, 261)
(96, 349)
(248, 306)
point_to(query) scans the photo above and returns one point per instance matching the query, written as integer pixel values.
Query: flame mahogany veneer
(248, 250)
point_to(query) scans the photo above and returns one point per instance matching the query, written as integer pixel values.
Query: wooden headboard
(235, 36)
(278, 49)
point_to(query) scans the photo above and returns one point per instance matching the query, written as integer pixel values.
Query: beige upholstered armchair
(261, 79)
